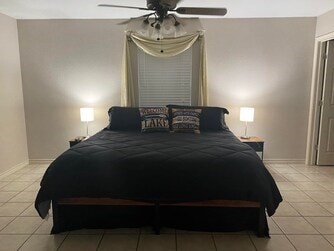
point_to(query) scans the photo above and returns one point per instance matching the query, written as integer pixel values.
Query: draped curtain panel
(166, 47)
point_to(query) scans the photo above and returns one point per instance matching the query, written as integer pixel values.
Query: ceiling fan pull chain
(162, 51)
(159, 39)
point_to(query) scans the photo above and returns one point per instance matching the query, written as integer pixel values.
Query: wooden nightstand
(77, 140)
(256, 143)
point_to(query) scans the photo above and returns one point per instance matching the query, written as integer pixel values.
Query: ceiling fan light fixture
(176, 23)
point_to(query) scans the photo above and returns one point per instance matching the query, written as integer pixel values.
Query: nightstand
(77, 140)
(256, 143)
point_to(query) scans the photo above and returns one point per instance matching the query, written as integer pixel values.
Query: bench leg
(263, 230)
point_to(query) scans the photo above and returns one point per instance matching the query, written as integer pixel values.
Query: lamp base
(245, 137)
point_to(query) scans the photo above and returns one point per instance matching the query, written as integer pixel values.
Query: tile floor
(304, 221)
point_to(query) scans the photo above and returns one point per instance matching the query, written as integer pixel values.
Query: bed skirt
(105, 213)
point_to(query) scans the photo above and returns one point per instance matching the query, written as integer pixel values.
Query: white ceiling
(68, 9)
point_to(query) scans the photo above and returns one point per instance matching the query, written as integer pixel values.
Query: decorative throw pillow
(212, 118)
(154, 119)
(186, 120)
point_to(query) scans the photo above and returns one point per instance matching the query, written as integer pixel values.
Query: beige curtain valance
(166, 47)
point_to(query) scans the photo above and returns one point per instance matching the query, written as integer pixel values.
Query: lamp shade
(86, 114)
(247, 114)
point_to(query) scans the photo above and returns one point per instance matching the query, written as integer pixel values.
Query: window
(151, 86)
(163, 81)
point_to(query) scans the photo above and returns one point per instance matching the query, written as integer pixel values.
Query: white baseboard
(284, 161)
(14, 169)
(40, 161)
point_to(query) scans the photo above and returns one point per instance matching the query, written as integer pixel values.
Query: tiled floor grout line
(8, 222)
(329, 242)
(285, 235)
(63, 241)
(317, 203)
(138, 239)
(25, 241)
(312, 224)
(291, 242)
(251, 240)
(175, 240)
(98, 245)
(214, 241)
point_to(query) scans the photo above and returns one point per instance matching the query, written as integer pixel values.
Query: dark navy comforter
(159, 167)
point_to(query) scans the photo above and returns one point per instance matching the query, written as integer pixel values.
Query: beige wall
(265, 63)
(13, 140)
(325, 24)
(67, 64)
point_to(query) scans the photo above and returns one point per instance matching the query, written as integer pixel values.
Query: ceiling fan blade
(121, 6)
(201, 11)
(168, 4)
(134, 18)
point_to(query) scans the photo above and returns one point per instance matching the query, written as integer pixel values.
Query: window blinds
(163, 81)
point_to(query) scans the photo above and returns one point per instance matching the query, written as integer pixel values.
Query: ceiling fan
(162, 8)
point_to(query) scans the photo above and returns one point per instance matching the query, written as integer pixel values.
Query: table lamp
(87, 115)
(246, 115)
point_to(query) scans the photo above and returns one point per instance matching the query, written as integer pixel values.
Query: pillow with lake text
(154, 119)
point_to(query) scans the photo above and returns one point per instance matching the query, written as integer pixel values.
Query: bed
(129, 175)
